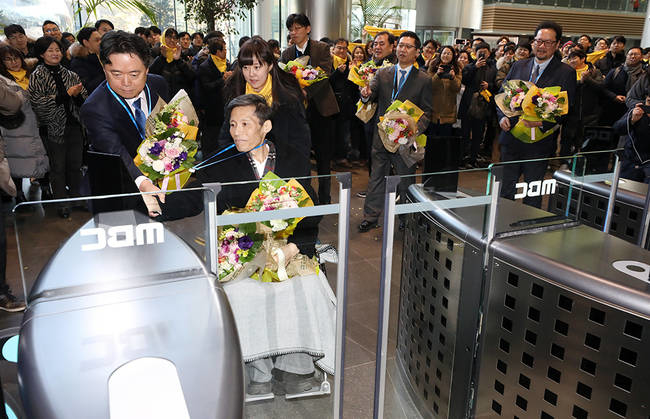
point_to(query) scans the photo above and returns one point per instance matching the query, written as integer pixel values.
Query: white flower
(158, 166)
(278, 225)
(403, 140)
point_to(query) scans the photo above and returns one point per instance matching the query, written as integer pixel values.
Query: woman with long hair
(23, 145)
(257, 72)
(359, 56)
(446, 80)
(57, 94)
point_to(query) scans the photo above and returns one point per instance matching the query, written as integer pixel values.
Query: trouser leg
(260, 370)
(321, 137)
(374, 202)
(478, 127)
(3, 253)
(56, 154)
(298, 363)
(534, 170)
(74, 157)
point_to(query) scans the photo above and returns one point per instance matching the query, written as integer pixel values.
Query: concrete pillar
(449, 14)
(329, 18)
(263, 18)
(645, 39)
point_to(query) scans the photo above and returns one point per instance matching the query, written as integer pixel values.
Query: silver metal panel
(552, 352)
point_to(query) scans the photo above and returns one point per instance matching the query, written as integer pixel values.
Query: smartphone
(646, 108)
(460, 41)
(481, 56)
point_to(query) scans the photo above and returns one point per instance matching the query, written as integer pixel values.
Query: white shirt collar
(143, 102)
(304, 47)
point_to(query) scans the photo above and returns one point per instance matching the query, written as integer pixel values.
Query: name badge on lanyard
(126, 108)
(395, 94)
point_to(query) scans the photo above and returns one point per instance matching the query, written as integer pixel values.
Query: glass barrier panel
(280, 260)
(433, 254)
(104, 241)
(531, 196)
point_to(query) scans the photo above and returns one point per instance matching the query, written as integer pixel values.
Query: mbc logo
(124, 236)
(536, 188)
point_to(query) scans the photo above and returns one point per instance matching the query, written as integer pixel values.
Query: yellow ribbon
(169, 52)
(338, 61)
(20, 77)
(220, 63)
(581, 71)
(266, 92)
(592, 57)
(486, 95)
(373, 30)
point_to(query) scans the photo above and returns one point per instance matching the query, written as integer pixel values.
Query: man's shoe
(290, 383)
(362, 194)
(366, 226)
(64, 212)
(255, 388)
(8, 302)
(402, 225)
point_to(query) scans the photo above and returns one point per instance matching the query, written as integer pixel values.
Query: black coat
(90, 71)
(472, 78)
(178, 73)
(610, 62)
(637, 146)
(211, 98)
(288, 164)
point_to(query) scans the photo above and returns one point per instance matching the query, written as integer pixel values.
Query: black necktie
(535, 74)
(140, 118)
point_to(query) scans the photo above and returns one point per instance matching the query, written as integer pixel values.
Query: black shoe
(46, 193)
(8, 302)
(255, 388)
(366, 226)
(402, 225)
(290, 383)
(362, 194)
(64, 212)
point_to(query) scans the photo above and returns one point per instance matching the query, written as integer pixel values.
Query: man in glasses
(383, 48)
(16, 38)
(544, 69)
(400, 82)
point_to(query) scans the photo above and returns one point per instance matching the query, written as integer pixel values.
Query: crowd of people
(66, 95)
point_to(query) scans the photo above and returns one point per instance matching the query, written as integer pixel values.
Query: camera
(446, 68)
(481, 56)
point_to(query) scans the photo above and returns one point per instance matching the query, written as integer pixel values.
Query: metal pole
(345, 186)
(497, 176)
(612, 195)
(210, 214)
(384, 294)
(645, 221)
(175, 27)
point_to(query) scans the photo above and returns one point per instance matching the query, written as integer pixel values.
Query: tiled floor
(362, 312)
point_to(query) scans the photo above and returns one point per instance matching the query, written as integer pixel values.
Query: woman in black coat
(257, 72)
(177, 71)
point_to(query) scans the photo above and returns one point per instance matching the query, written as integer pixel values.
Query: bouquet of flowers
(398, 126)
(540, 105)
(363, 75)
(305, 74)
(275, 193)
(235, 249)
(510, 101)
(167, 152)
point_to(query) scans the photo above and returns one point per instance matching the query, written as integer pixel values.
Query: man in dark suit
(545, 69)
(115, 113)
(211, 81)
(399, 82)
(89, 68)
(322, 102)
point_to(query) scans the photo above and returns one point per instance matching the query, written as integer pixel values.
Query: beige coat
(444, 99)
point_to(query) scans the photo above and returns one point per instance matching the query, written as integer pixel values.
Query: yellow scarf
(581, 71)
(592, 57)
(20, 77)
(266, 92)
(338, 61)
(220, 63)
(169, 53)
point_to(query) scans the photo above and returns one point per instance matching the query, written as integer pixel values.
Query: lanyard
(218, 153)
(394, 94)
(203, 166)
(129, 110)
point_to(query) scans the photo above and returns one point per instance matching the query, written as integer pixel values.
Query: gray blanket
(298, 315)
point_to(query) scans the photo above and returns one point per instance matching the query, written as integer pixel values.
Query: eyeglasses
(16, 37)
(296, 28)
(407, 46)
(51, 30)
(10, 59)
(539, 42)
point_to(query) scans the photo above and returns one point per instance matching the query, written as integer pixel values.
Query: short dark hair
(49, 22)
(243, 39)
(639, 48)
(84, 34)
(510, 48)
(108, 22)
(171, 32)
(13, 29)
(67, 34)
(299, 18)
(410, 34)
(525, 45)
(263, 111)
(195, 34)
(502, 38)
(619, 38)
(550, 24)
(43, 43)
(391, 37)
(327, 40)
(273, 43)
(210, 35)
(483, 45)
(578, 53)
(646, 50)
(141, 30)
(216, 44)
(155, 29)
(586, 36)
(342, 40)
(182, 34)
(478, 39)
(120, 42)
